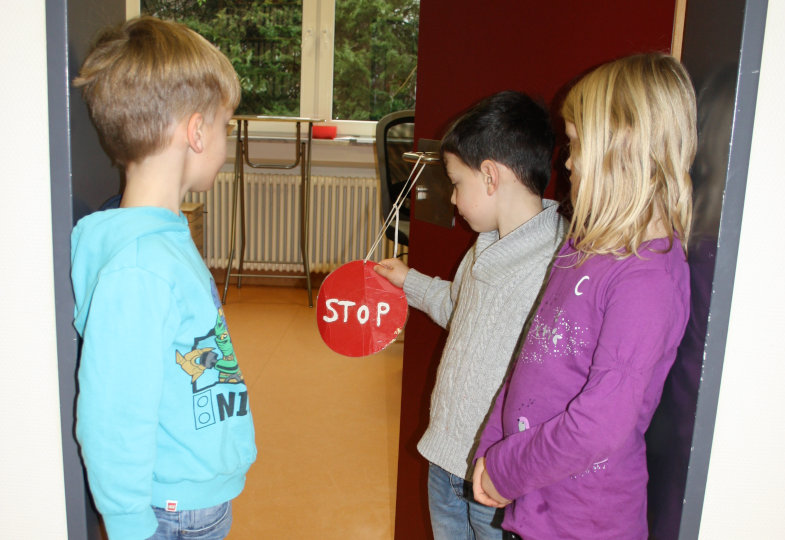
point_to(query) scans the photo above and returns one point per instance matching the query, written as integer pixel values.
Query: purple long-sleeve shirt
(565, 439)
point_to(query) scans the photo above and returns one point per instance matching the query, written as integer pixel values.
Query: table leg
(305, 177)
(238, 179)
(242, 228)
(306, 263)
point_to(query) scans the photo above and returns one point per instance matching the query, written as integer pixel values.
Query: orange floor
(326, 425)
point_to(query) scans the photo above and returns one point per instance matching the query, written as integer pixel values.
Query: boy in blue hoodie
(163, 418)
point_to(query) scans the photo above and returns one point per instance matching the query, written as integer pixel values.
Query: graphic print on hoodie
(209, 367)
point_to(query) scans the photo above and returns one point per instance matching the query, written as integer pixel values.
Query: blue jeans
(454, 512)
(204, 524)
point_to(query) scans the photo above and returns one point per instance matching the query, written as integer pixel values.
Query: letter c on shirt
(577, 292)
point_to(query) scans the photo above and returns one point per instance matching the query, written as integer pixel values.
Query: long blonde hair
(636, 140)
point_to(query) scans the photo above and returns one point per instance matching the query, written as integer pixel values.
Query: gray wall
(722, 52)
(82, 177)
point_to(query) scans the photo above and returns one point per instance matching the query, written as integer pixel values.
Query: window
(349, 61)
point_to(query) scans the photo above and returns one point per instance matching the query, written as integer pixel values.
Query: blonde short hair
(636, 127)
(142, 77)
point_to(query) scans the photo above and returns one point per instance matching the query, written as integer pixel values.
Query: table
(302, 158)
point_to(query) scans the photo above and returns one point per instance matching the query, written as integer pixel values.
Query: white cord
(396, 207)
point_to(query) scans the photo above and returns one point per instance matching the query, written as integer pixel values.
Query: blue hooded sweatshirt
(162, 414)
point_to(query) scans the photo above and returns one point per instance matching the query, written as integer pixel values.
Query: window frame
(316, 70)
(316, 74)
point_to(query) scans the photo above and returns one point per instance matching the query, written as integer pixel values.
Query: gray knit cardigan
(484, 309)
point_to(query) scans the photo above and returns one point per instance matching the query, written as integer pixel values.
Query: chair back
(394, 136)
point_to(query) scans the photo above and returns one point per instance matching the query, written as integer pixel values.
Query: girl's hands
(484, 490)
(394, 270)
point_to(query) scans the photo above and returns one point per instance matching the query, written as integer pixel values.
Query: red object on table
(324, 132)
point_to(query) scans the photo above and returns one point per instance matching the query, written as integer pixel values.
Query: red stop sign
(358, 311)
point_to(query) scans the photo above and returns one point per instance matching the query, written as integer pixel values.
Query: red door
(468, 50)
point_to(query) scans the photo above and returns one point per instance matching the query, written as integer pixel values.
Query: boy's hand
(394, 270)
(484, 490)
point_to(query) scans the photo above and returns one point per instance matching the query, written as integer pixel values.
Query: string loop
(396, 208)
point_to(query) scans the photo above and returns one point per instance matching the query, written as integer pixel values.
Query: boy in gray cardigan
(498, 158)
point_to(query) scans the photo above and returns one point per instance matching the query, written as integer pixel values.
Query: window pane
(375, 64)
(261, 38)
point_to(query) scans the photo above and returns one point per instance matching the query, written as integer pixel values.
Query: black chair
(394, 136)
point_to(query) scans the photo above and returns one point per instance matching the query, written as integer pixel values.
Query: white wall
(32, 502)
(745, 491)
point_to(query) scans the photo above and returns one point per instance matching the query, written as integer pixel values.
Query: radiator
(344, 219)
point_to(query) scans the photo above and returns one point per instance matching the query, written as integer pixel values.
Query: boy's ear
(490, 172)
(194, 132)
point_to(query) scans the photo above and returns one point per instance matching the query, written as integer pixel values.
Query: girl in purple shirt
(564, 446)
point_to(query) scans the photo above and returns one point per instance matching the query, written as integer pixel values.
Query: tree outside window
(374, 62)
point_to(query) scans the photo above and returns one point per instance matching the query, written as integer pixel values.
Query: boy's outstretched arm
(394, 270)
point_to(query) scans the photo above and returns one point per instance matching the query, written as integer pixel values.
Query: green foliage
(375, 57)
(375, 51)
